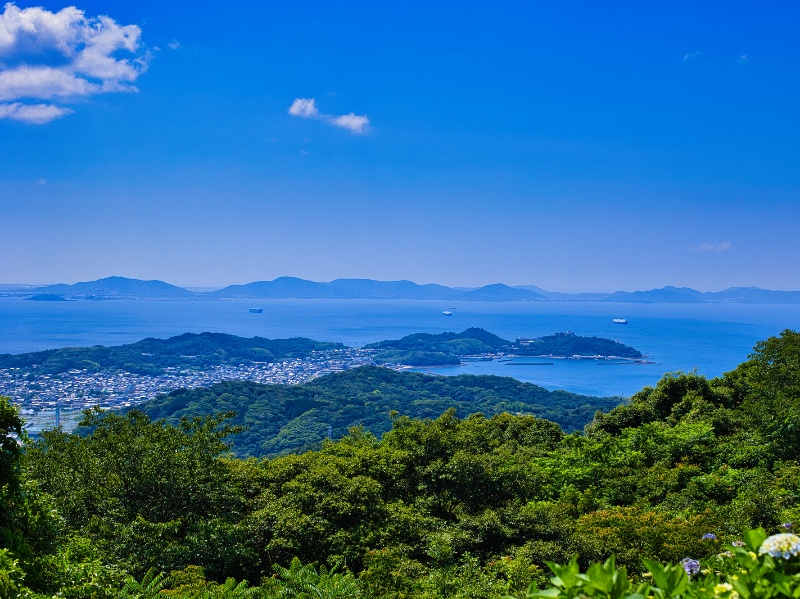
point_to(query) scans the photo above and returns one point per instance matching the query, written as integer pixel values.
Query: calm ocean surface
(712, 338)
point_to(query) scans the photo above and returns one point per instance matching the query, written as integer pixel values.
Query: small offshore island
(570, 345)
(47, 297)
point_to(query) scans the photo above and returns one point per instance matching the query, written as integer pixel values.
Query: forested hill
(151, 356)
(284, 419)
(471, 341)
(569, 344)
(426, 349)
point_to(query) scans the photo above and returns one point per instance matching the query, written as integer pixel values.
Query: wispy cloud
(713, 247)
(691, 56)
(307, 108)
(742, 59)
(35, 114)
(174, 45)
(62, 56)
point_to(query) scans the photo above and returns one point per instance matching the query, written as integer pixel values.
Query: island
(448, 349)
(569, 345)
(443, 349)
(47, 297)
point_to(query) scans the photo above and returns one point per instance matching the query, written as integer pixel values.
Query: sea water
(710, 338)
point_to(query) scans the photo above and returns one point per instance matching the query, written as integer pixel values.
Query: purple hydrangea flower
(691, 566)
(709, 536)
(787, 525)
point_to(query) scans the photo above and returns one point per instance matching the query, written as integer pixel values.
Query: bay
(711, 338)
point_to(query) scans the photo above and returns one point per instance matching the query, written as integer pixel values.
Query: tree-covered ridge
(568, 344)
(282, 419)
(152, 356)
(455, 343)
(448, 507)
(428, 349)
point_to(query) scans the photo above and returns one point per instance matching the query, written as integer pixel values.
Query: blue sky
(585, 146)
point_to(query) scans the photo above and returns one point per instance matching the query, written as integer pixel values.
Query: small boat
(447, 312)
(619, 321)
(256, 310)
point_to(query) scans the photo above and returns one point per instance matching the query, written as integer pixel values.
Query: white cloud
(353, 122)
(35, 114)
(63, 56)
(174, 45)
(42, 181)
(307, 108)
(42, 83)
(713, 247)
(691, 55)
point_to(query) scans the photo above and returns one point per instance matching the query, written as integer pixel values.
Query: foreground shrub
(761, 567)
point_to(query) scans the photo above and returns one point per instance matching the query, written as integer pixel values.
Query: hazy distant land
(294, 288)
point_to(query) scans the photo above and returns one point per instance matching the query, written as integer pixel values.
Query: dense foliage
(761, 566)
(476, 507)
(152, 356)
(567, 345)
(281, 419)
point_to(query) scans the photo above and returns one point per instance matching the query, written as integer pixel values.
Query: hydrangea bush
(759, 567)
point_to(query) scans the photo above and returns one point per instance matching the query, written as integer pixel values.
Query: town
(47, 401)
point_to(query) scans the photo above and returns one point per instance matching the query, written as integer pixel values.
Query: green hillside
(151, 356)
(281, 419)
(568, 344)
(443, 349)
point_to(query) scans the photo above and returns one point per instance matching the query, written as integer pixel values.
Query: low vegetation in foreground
(690, 490)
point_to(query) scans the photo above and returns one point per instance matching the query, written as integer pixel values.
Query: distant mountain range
(116, 287)
(294, 288)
